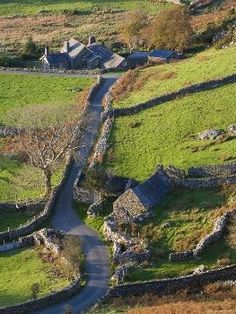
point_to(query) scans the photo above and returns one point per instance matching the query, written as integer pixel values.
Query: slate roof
(138, 55)
(108, 58)
(152, 190)
(75, 47)
(56, 58)
(163, 54)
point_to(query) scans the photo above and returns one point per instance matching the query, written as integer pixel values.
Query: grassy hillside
(20, 269)
(160, 79)
(18, 91)
(83, 7)
(167, 134)
(52, 21)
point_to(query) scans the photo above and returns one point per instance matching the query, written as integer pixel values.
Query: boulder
(210, 134)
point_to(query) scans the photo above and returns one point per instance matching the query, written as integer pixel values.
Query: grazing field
(20, 269)
(20, 181)
(53, 21)
(180, 221)
(83, 7)
(160, 79)
(19, 91)
(168, 134)
(12, 219)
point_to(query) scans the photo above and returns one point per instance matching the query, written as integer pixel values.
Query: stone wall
(199, 183)
(172, 285)
(224, 170)
(8, 131)
(24, 206)
(215, 235)
(108, 121)
(171, 96)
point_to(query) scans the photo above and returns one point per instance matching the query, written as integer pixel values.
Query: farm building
(138, 58)
(75, 55)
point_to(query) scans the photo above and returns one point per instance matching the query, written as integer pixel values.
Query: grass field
(20, 269)
(84, 7)
(53, 21)
(20, 181)
(18, 91)
(190, 216)
(160, 79)
(12, 219)
(167, 134)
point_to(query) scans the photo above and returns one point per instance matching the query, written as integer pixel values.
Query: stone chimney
(91, 40)
(46, 50)
(66, 46)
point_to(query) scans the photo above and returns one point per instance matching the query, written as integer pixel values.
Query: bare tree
(47, 136)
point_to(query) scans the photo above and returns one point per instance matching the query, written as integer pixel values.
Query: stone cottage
(76, 55)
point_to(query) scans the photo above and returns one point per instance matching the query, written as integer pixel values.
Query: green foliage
(94, 222)
(167, 134)
(172, 29)
(31, 50)
(165, 269)
(26, 90)
(20, 270)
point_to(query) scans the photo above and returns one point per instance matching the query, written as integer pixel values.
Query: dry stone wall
(213, 170)
(168, 286)
(171, 96)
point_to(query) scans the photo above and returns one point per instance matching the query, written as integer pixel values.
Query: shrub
(73, 254)
(35, 288)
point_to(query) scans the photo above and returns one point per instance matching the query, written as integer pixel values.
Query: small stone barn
(136, 204)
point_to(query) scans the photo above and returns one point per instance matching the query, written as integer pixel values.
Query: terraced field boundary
(192, 89)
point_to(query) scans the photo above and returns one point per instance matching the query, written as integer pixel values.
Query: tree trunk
(47, 181)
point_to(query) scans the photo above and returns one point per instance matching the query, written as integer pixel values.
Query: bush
(73, 254)
(35, 288)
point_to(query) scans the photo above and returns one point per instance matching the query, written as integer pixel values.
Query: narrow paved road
(65, 218)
